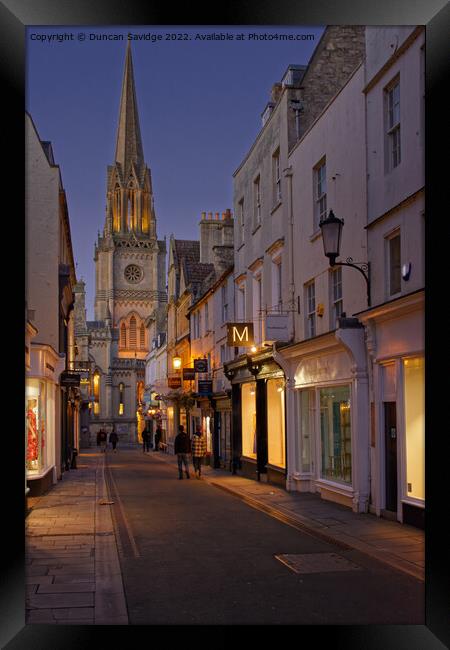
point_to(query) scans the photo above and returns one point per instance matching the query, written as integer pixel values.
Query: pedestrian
(182, 449)
(158, 436)
(101, 439)
(198, 450)
(113, 439)
(145, 441)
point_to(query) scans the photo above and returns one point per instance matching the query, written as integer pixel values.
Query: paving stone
(45, 601)
(38, 580)
(73, 579)
(62, 588)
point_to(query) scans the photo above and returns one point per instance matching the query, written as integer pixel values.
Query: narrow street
(193, 554)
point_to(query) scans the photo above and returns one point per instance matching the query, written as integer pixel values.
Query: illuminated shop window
(35, 425)
(275, 423)
(414, 370)
(336, 434)
(248, 396)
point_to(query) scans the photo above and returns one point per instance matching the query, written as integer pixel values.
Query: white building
(327, 389)
(394, 94)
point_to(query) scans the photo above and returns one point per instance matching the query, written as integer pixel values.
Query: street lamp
(177, 363)
(331, 228)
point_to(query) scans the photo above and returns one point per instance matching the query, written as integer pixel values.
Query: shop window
(35, 425)
(248, 397)
(275, 423)
(335, 432)
(414, 372)
(306, 407)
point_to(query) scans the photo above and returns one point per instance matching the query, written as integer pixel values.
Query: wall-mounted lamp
(177, 361)
(331, 228)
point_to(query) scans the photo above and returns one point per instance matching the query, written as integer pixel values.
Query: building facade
(394, 94)
(266, 293)
(130, 282)
(51, 405)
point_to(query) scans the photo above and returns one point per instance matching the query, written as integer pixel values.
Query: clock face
(133, 273)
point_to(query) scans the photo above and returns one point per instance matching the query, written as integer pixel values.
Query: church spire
(129, 144)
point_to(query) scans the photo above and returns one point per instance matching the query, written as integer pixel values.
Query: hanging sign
(69, 379)
(201, 365)
(277, 327)
(174, 382)
(204, 386)
(188, 374)
(240, 335)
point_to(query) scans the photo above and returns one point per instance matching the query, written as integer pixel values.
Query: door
(390, 437)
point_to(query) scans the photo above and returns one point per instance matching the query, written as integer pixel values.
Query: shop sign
(201, 365)
(189, 374)
(69, 379)
(174, 382)
(277, 327)
(240, 335)
(205, 386)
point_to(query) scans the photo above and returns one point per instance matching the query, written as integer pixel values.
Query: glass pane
(306, 428)
(248, 395)
(275, 423)
(335, 430)
(415, 426)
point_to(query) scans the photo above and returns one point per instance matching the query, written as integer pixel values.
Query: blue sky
(200, 105)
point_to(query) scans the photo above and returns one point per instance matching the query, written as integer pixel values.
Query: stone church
(130, 286)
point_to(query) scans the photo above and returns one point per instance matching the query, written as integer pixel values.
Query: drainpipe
(288, 174)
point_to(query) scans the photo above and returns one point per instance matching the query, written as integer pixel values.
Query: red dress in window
(32, 436)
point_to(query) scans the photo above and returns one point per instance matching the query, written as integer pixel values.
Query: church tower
(130, 275)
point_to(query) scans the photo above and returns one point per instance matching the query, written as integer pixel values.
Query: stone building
(51, 405)
(130, 281)
(394, 93)
(265, 250)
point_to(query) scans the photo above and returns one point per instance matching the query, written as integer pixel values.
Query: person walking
(158, 435)
(198, 451)
(145, 441)
(182, 448)
(101, 439)
(113, 439)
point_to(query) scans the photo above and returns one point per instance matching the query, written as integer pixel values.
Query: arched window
(132, 332)
(121, 398)
(116, 209)
(123, 336)
(142, 336)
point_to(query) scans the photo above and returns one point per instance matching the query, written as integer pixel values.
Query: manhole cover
(317, 562)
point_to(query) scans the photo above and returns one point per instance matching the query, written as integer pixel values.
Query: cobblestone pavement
(72, 567)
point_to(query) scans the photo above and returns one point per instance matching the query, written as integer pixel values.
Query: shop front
(42, 445)
(395, 335)
(258, 422)
(328, 422)
(222, 432)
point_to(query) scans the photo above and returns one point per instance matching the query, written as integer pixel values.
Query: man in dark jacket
(182, 449)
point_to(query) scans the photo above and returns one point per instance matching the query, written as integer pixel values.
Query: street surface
(191, 553)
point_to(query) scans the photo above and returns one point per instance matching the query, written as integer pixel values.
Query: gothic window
(121, 402)
(117, 209)
(123, 336)
(142, 336)
(132, 332)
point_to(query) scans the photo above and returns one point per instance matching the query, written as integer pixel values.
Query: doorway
(390, 437)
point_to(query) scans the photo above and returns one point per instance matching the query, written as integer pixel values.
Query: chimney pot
(209, 215)
(217, 215)
(203, 215)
